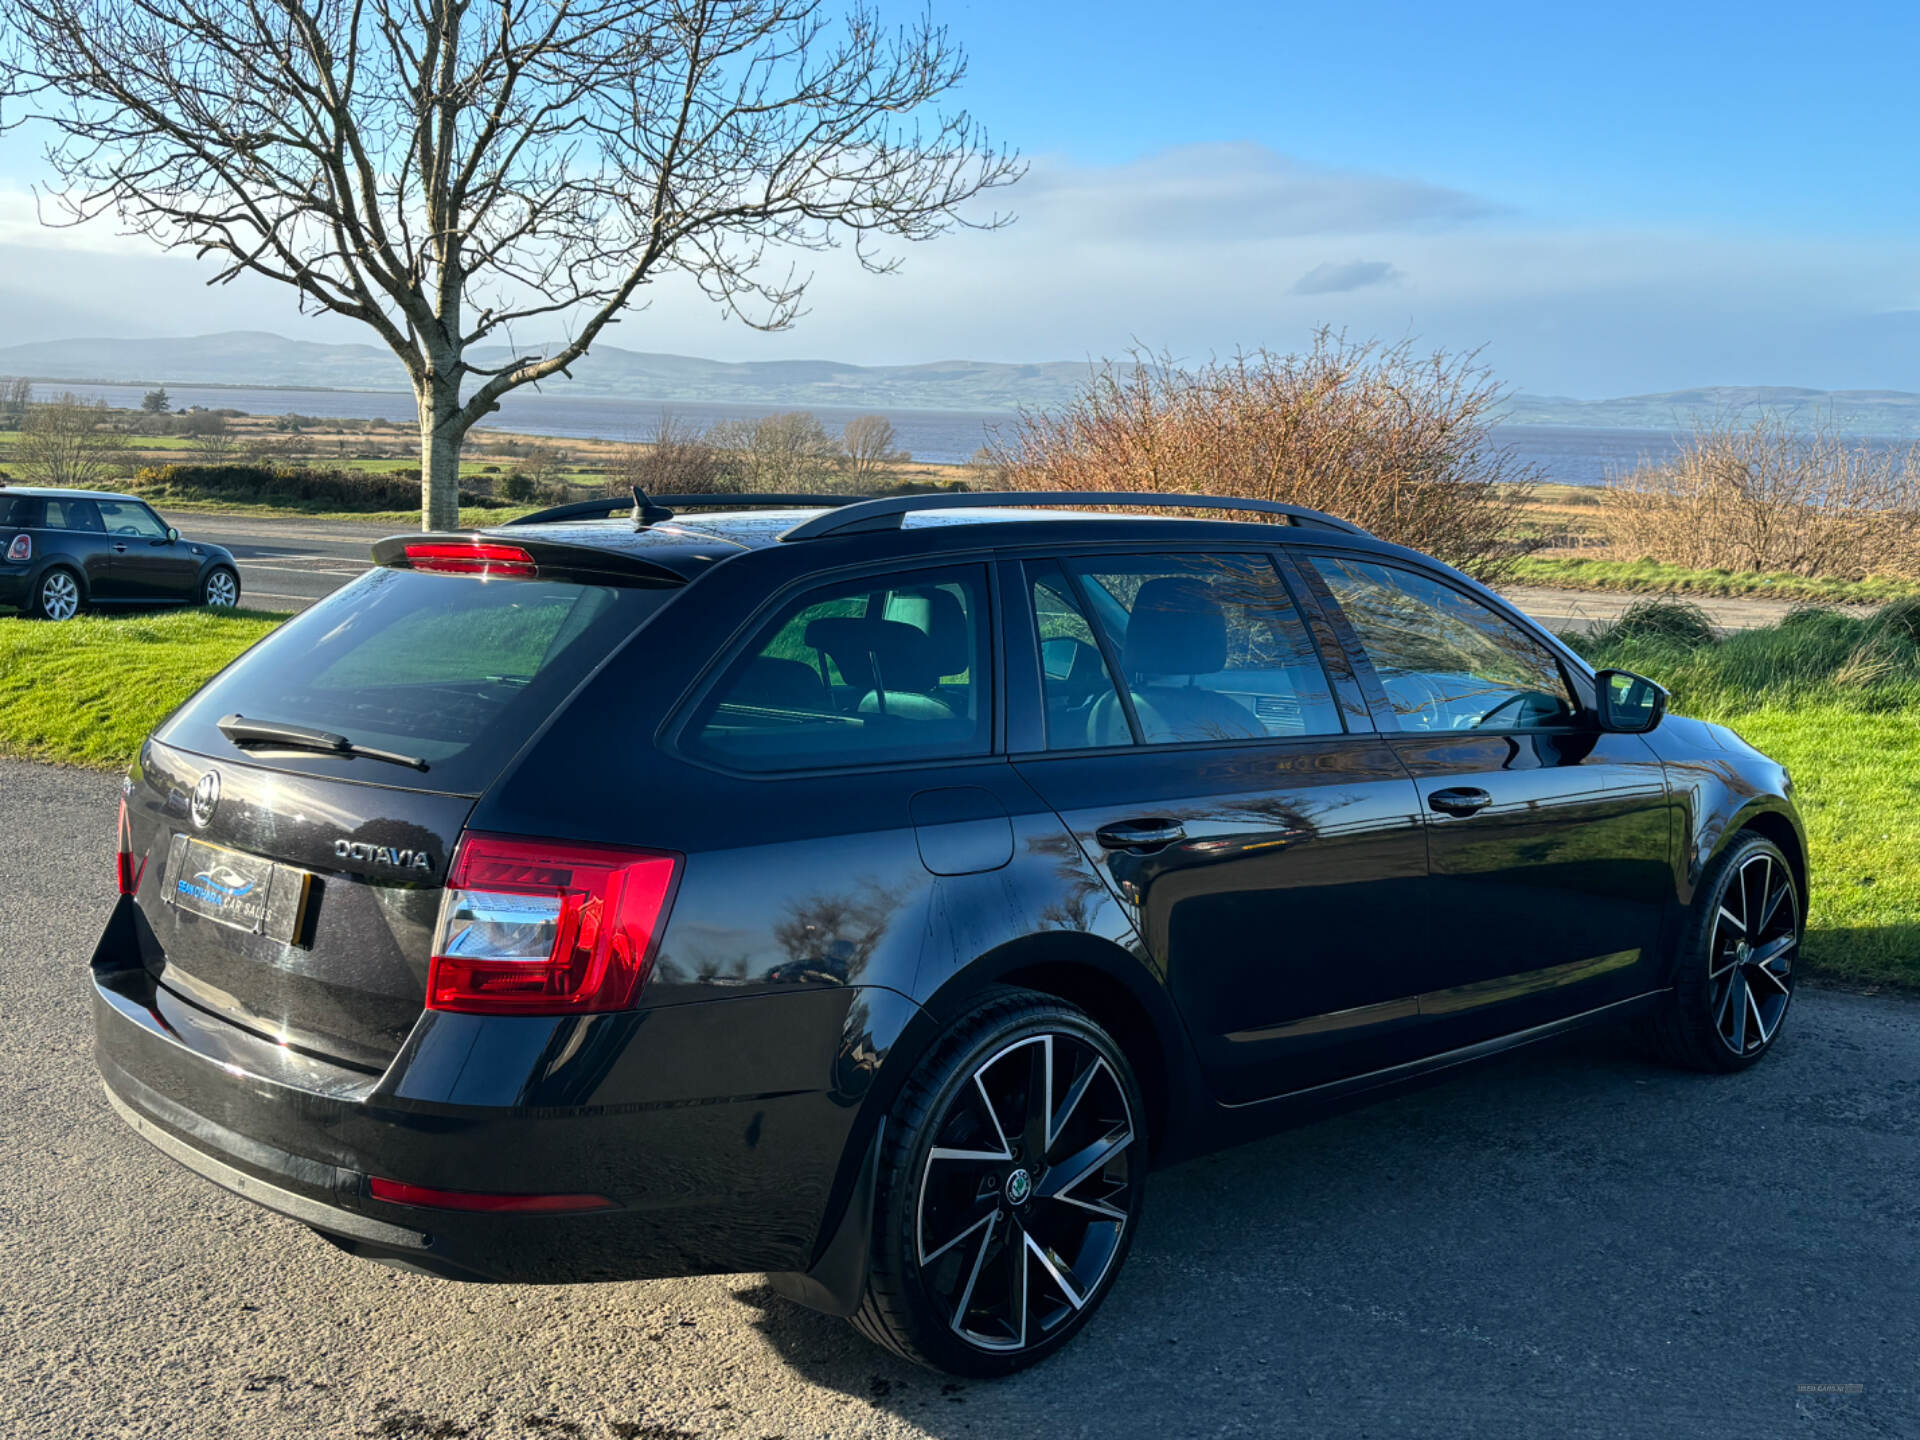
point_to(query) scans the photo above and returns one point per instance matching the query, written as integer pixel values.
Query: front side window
(128, 517)
(884, 668)
(1446, 661)
(1211, 648)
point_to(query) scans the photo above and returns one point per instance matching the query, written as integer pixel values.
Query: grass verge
(471, 517)
(1651, 577)
(87, 692)
(1836, 700)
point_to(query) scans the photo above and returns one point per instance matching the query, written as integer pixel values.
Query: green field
(1650, 577)
(1834, 698)
(87, 692)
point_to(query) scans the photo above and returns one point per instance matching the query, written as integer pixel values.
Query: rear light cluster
(127, 872)
(541, 927)
(21, 548)
(470, 557)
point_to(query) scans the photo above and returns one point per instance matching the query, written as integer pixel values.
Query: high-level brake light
(470, 557)
(546, 927)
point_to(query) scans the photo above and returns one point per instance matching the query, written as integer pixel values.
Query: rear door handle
(1462, 802)
(1140, 834)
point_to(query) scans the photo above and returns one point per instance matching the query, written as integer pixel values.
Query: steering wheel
(1507, 704)
(126, 530)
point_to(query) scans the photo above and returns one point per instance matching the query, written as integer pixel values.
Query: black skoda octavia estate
(871, 895)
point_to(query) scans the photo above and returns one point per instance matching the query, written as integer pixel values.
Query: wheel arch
(1777, 827)
(50, 564)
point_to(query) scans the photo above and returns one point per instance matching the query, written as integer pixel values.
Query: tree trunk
(440, 439)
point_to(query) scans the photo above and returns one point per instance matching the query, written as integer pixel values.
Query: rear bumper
(721, 1131)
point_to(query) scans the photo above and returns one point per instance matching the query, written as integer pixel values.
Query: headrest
(782, 684)
(939, 614)
(877, 654)
(1177, 628)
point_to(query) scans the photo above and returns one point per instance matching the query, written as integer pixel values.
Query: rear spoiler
(493, 556)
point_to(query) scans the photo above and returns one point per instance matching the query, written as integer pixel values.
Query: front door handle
(1462, 802)
(120, 549)
(1140, 834)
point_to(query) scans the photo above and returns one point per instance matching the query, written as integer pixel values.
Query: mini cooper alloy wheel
(59, 595)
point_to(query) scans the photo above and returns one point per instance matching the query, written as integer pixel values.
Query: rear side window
(81, 515)
(1211, 647)
(1446, 661)
(456, 670)
(883, 668)
(22, 512)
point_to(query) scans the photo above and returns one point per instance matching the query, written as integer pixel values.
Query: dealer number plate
(243, 891)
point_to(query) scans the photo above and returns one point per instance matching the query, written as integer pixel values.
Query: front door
(146, 564)
(1548, 838)
(1235, 797)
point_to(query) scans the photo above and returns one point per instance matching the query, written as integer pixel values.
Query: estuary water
(1568, 454)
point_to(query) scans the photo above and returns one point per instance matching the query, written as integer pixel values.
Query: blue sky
(1608, 199)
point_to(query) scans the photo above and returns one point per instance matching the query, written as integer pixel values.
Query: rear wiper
(242, 731)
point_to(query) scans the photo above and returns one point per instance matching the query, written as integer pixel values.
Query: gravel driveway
(1566, 1243)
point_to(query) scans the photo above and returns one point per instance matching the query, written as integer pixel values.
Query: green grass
(1652, 577)
(472, 517)
(87, 692)
(1837, 701)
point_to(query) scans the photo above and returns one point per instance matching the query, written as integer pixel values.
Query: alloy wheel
(223, 591)
(59, 596)
(1755, 934)
(1027, 1192)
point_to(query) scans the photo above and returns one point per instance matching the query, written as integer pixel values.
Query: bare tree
(68, 442)
(679, 460)
(871, 452)
(16, 394)
(446, 170)
(790, 451)
(208, 435)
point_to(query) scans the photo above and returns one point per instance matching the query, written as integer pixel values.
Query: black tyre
(1734, 981)
(1011, 1180)
(58, 595)
(220, 588)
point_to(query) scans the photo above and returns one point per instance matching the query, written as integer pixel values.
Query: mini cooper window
(879, 669)
(1446, 661)
(1212, 649)
(128, 517)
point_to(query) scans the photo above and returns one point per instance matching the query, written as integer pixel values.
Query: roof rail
(890, 513)
(648, 507)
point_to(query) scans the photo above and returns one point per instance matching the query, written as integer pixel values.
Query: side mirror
(1629, 704)
(173, 536)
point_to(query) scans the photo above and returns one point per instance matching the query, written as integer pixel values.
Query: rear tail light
(396, 1192)
(127, 872)
(546, 927)
(21, 548)
(470, 557)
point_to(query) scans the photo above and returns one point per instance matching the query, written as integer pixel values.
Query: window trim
(1384, 716)
(673, 733)
(1306, 614)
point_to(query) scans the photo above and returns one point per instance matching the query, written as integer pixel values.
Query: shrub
(293, 486)
(1680, 621)
(1397, 443)
(1761, 497)
(518, 488)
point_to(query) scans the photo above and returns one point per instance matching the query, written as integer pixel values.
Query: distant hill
(1856, 412)
(256, 358)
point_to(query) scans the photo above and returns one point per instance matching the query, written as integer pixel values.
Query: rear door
(1549, 840)
(146, 565)
(80, 535)
(294, 892)
(1234, 795)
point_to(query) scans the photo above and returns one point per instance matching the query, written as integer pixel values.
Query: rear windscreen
(454, 670)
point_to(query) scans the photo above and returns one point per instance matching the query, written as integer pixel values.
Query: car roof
(693, 540)
(53, 493)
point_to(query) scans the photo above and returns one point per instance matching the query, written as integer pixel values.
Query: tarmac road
(287, 564)
(1566, 1243)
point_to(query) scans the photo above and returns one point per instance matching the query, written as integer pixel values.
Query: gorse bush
(1764, 497)
(1396, 442)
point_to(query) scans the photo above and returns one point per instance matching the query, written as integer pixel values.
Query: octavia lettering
(382, 855)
